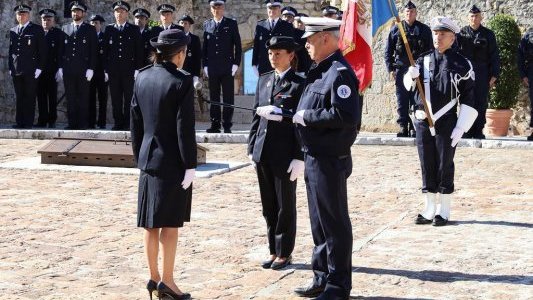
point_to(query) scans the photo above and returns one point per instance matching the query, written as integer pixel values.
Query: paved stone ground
(69, 235)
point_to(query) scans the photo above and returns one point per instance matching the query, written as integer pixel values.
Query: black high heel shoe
(151, 286)
(164, 290)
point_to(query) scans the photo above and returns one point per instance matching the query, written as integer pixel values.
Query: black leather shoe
(530, 138)
(117, 128)
(309, 291)
(40, 125)
(16, 126)
(52, 125)
(404, 132)
(439, 221)
(479, 136)
(212, 130)
(101, 126)
(266, 264)
(164, 290)
(280, 265)
(421, 220)
(227, 130)
(71, 128)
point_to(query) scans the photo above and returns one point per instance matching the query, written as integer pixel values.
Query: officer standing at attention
(78, 64)
(124, 58)
(166, 16)
(420, 40)
(448, 79)
(274, 148)
(478, 44)
(141, 19)
(27, 58)
(47, 91)
(298, 24)
(525, 67)
(326, 118)
(98, 88)
(330, 12)
(193, 61)
(288, 13)
(264, 30)
(221, 58)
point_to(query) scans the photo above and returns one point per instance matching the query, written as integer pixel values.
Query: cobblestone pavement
(68, 235)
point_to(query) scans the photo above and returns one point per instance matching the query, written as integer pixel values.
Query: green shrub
(505, 94)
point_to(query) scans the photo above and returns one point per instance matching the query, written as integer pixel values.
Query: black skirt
(162, 201)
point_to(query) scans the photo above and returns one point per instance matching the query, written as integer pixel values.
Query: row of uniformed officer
(525, 67)
(397, 61)
(27, 59)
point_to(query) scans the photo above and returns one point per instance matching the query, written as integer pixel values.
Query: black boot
(215, 128)
(404, 131)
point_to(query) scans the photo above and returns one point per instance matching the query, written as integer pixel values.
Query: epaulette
(184, 72)
(145, 68)
(261, 20)
(339, 66)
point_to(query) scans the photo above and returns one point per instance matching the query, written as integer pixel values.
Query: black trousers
(404, 98)
(481, 98)
(278, 198)
(47, 98)
(121, 88)
(25, 92)
(436, 155)
(77, 94)
(216, 82)
(325, 178)
(98, 94)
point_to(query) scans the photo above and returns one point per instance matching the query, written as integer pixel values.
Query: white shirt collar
(282, 74)
(74, 23)
(24, 25)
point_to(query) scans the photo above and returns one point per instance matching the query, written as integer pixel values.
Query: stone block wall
(379, 110)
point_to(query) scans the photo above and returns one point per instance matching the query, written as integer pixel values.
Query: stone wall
(379, 111)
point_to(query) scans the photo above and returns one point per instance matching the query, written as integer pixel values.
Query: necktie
(20, 29)
(273, 24)
(77, 27)
(120, 28)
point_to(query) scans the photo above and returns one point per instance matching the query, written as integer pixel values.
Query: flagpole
(418, 83)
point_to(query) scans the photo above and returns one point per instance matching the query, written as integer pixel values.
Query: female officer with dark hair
(164, 146)
(273, 147)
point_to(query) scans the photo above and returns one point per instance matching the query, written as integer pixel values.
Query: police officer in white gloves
(448, 80)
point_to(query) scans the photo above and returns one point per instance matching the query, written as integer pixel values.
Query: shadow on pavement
(497, 223)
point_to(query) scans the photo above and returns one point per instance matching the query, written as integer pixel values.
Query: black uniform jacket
(263, 32)
(124, 49)
(193, 60)
(157, 29)
(162, 120)
(331, 103)
(525, 54)
(146, 35)
(54, 44)
(420, 40)
(480, 47)
(441, 66)
(222, 46)
(100, 55)
(80, 48)
(27, 51)
(272, 141)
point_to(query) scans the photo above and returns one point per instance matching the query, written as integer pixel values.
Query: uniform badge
(260, 37)
(66, 42)
(189, 54)
(269, 83)
(29, 42)
(84, 41)
(53, 45)
(110, 42)
(101, 51)
(208, 36)
(344, 91)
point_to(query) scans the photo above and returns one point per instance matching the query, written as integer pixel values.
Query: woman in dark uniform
(164, 146)
(273, 147)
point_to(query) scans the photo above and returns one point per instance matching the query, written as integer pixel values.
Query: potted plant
(505, 94)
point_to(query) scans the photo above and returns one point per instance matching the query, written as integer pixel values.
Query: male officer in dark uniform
(77, 64)
(330, 12)
(221, 58)
(448, 80)
(264, 30)
(124, 57)
(288, 13)
(166, 16)
(420, 40)
(525, 67)
(141, 19)
(27, 58)
(326, 118)
(47, 91)
(478, 44)
(193, 60)
(98, 88)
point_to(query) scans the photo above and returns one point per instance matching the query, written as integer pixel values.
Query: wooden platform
(95, 152)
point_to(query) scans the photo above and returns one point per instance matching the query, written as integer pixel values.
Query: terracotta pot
(498, 121)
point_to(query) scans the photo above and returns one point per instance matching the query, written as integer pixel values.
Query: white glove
(135, 74)
(256, 71)
(298, 117)
(234, 70)
(37, 73)
(457, 133)
(205, 72)
(59, 75)
(266, 112)
(196, 83)
(89, 74)
(106, 77)
(188, 178)
(296, 168)
(414, 72)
